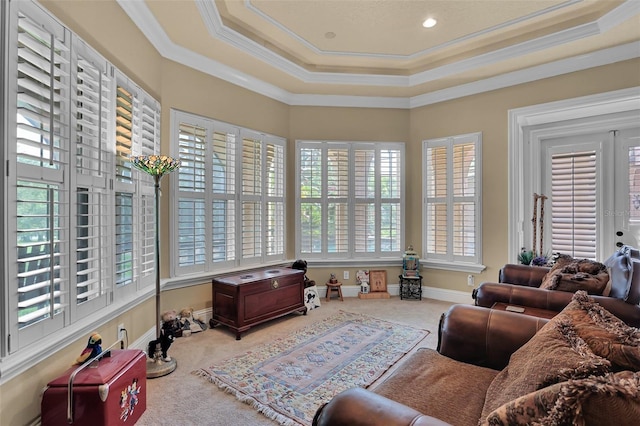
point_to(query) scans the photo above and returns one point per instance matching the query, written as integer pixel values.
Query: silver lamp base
(158, 367)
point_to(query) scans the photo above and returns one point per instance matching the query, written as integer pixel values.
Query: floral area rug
(288, 379)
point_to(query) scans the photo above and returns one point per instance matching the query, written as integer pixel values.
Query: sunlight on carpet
(288, 379)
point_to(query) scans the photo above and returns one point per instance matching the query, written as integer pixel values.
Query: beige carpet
(182, 398)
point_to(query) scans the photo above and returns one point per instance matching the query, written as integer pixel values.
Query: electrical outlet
(345, 275)
(121, 332)
(470, 280)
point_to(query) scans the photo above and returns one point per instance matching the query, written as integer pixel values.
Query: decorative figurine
(301, 265)
(410, 263)
(333, 279)
(93, 349)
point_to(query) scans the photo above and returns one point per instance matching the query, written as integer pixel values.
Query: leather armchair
(519, 285)
(470, 334)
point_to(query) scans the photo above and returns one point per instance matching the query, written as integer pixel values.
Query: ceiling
(376, 53)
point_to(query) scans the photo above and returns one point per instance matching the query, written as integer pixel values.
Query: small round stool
(331, 287)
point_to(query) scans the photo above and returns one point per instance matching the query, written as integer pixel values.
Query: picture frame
(378, 281)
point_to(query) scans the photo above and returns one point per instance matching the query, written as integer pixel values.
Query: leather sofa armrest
(526, 275)
(627, 312)
(552, 300)
(360, 407)
(489, 293)
(484, 337)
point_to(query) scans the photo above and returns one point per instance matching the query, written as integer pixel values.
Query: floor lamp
(157, 166)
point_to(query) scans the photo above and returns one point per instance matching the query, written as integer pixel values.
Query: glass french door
(592, 187)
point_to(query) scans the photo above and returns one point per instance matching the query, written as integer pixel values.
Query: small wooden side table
(331, 287)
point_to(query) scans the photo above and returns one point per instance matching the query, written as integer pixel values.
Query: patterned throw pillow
(554, 354)
(607, 335)
(583, 341)
(593, 400)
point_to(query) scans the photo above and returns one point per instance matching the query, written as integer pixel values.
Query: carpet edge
(242, 397)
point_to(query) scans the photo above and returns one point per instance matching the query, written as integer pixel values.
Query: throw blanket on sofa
(571, 275)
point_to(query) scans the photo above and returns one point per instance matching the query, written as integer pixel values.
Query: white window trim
(452, 264)
(181, 275)
(552, 114)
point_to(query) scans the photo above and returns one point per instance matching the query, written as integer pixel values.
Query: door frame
(600, 109)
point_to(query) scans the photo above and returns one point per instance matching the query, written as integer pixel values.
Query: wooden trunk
(249, 298)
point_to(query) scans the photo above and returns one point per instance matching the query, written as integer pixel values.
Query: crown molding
(149, 26)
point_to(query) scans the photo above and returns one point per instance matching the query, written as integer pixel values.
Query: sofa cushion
(606, 335)
(555, 353)
(577, 274)
(595, 400)
(439, 386)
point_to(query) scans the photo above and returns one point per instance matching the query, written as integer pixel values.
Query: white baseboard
(453, 296)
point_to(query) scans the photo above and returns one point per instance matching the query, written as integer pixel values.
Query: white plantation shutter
(223, 222)
(350, 199)
(338, 200)
(251, 172)
(231, 195)
(390, 200)
(124, 217)
(464, 214)
(81, 226)
(148, 113)
(310, 193)
(274, 182)
(92, 113)
(452, 199)
(437, 207)
(365, 216)
(40, 149)
(574, 203)
(192, 146)
(137, 132)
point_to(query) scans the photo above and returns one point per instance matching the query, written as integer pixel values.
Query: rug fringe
(261, 408)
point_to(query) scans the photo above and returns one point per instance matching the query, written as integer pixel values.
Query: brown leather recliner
(519, 285)
(482, 339)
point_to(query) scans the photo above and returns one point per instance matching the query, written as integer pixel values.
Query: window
(80, 232)
(452, 183)
(230, 195)
(349, 200)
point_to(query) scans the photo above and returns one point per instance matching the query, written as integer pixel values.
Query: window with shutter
(41, 132)
(230, 191)
(350, 198)
(92, 113)
(452, 201)
(82, 224)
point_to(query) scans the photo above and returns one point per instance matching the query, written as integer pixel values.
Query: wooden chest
(244, 300)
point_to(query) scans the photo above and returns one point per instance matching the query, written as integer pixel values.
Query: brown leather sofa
(494, 367)
(519, 285)
(447, 385)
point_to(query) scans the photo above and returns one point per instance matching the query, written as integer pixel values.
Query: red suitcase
(112, 392)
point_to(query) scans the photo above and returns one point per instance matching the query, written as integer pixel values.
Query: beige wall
(107, 28)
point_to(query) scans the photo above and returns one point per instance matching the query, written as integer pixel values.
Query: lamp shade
(155, 165)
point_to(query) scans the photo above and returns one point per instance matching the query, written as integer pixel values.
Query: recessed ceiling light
(429, 23)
